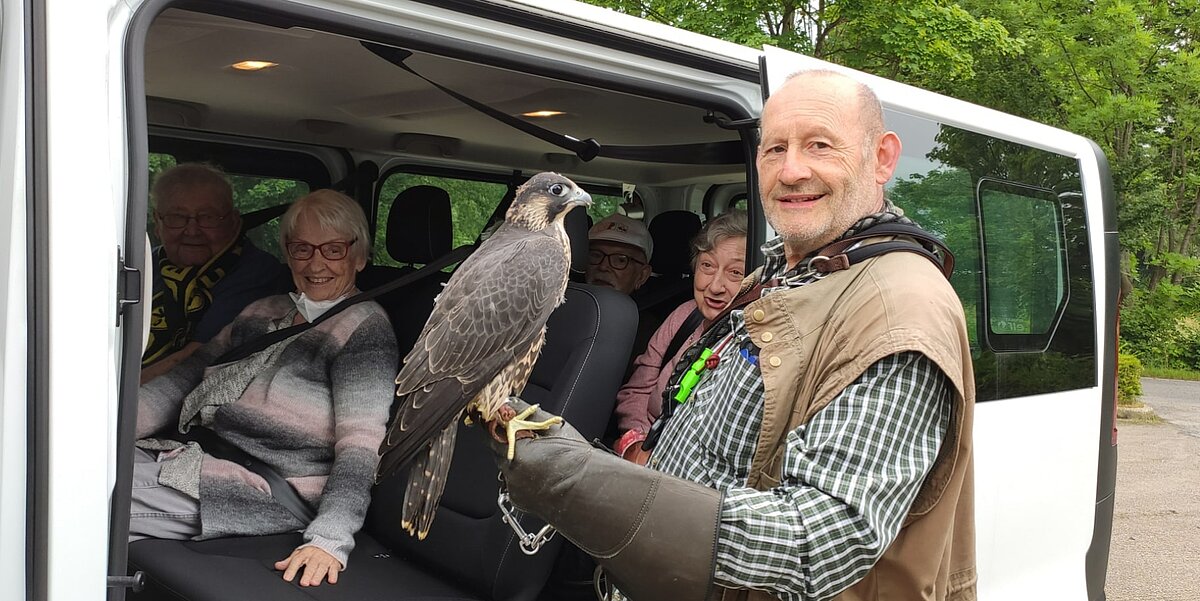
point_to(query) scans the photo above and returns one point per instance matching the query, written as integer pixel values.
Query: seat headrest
(672, 232)
(419, 226)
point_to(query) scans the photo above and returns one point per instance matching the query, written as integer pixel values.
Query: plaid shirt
(849, 477)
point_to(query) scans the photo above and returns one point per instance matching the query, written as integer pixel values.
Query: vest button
(759, 315)
(775, 361)
(767, 336)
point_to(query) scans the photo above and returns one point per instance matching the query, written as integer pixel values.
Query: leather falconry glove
(655, 535)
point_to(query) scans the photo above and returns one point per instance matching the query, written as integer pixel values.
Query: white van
(373, 98)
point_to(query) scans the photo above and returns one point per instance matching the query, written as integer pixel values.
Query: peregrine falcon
(480, 343)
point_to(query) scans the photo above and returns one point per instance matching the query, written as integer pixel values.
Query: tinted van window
(1025, 279)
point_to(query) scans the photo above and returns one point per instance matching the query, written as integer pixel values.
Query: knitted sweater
(315, 410)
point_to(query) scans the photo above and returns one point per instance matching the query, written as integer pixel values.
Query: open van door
(1028, 211)
(14, 295)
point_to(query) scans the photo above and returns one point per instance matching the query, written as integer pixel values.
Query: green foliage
(603, 206)
(1125, 73)
(1170, 374)
(1159, 327)
(929, 43)
(1129, 379)
(253, 193)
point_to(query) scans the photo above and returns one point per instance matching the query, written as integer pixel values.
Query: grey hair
(191, 176)
(731, 224)
(333, 211)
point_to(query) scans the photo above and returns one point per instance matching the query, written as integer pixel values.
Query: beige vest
(818, 338)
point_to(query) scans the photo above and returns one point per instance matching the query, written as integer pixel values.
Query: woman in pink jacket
(718, 266)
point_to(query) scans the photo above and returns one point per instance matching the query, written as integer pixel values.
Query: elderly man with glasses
(619, 255)
(205, 271)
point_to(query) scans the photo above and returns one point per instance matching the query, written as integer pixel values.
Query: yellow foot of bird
(516, 426)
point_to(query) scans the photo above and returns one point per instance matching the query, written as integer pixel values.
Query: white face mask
(312, 309)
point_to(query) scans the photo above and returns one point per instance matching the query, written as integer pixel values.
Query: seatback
(672, 232)
(419, 230)
(577, 376)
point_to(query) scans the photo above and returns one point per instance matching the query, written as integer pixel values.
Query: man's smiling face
(818, 164)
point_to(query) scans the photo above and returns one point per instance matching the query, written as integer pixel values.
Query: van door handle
(129, 285)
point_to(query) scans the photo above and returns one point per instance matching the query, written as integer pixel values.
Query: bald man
(817, 439)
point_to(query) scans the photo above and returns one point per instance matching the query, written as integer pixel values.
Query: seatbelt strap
(257, 344)
(693, 321)
(281, 490)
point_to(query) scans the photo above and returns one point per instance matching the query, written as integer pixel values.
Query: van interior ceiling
(337, 91)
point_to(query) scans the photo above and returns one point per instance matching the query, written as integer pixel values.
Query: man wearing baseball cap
(619, 255)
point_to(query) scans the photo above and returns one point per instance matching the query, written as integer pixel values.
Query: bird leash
(530, 542)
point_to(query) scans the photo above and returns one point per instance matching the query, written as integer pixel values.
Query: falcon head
(545, 199)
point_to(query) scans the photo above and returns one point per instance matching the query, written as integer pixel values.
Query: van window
(603, 205)
(472, 203)
(251, 193)
(1023, 263)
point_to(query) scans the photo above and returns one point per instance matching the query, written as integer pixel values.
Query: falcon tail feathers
(409, 437)
(426, 481)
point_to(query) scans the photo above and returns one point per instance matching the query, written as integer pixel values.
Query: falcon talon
(518, 424)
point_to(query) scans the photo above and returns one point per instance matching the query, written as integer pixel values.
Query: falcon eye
(558, 189)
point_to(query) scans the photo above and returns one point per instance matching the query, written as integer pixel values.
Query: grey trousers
(158, 511)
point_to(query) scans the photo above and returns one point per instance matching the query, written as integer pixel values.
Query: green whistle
(692, 377)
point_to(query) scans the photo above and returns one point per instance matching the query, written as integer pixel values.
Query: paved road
(1155, 552)
(1177, 401)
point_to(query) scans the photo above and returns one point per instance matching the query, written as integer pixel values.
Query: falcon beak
(580, 199)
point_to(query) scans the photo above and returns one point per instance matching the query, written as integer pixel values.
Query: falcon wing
(490, 313)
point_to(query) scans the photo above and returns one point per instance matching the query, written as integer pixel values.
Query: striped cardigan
(316, 412)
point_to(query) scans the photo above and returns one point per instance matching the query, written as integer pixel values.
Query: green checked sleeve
(848, 480)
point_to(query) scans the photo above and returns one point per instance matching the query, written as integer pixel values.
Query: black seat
(419, 230)
(672, 232)
(469, 553)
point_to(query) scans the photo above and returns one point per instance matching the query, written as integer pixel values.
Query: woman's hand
(629, 447)
(636, 454)
(317, 566)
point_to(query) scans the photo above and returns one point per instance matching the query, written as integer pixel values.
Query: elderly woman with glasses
(313, 407)
(206, 271)
(718, 266)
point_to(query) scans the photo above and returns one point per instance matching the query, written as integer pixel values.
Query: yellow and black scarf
(182, 300)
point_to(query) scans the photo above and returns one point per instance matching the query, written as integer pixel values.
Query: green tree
(929, 43)
(1124, 73)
